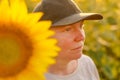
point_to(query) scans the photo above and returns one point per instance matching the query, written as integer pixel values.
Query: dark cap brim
(77, 17)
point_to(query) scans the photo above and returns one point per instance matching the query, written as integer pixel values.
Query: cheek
(65, 43)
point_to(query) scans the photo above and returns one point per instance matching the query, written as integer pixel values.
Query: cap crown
(57, 9)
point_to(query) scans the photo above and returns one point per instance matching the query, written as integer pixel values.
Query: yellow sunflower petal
(4, 10)
(43, 35)
(35, 63)
(18, 9)
(29, 75)
(49, 43)
(34, 17)
(5, 4)
(45, 25)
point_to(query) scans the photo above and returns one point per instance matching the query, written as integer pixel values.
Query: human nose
(80, 35)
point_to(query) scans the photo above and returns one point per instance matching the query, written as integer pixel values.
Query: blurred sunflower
(26, 49)
(35, 0)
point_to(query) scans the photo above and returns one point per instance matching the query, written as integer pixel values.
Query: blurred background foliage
(102, 37)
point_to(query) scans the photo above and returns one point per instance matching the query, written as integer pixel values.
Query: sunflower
(26, 49)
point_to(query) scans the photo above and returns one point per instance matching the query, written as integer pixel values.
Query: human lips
(77, 48)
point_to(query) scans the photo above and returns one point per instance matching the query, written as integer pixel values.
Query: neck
(63, 67)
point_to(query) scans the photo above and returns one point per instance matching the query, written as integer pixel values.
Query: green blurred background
(102, 37)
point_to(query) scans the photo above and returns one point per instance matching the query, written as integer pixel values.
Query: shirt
(86, 70)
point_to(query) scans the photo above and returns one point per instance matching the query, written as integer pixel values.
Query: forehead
(80, 23)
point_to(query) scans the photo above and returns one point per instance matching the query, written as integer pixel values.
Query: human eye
(67, 29)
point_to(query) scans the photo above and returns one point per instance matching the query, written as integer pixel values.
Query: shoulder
(86, 60)
(88, 67)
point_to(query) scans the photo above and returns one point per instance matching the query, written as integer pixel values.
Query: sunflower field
(103, 37)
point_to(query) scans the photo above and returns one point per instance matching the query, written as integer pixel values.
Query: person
(68, 22)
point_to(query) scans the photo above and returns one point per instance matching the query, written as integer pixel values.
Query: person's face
(70, 40)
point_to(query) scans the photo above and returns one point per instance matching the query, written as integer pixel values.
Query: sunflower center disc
(15, 53)
(9, 51)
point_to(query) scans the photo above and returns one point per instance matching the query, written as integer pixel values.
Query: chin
(77, 56)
